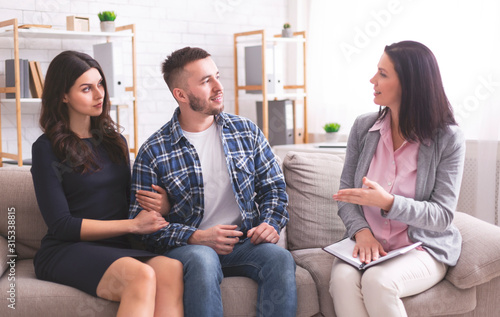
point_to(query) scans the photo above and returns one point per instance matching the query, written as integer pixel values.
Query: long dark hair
(61, 75)
(425, 109)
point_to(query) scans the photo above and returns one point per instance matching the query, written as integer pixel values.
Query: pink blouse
(396, 172)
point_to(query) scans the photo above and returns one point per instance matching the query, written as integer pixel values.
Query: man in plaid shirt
(227, 199)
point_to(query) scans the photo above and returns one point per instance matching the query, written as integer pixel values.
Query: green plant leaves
(331, 127)
(107, 16)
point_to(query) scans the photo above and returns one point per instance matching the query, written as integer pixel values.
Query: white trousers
(377, 291)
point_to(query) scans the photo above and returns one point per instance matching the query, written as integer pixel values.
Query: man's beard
(196, 105)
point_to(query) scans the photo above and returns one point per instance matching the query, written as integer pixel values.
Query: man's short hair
(174, 64)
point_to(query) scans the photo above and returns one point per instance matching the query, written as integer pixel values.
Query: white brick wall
(162, 27)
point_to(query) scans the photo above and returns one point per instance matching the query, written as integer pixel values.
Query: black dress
(65, 198)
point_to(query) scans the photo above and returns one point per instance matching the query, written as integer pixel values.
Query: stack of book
(31, 78)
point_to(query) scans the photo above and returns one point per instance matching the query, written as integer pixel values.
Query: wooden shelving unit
(259, 38)
(43, 33)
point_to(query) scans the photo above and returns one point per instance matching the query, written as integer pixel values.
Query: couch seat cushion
(239, 295)
(46, 299)
(479, 261)
(51, 299)
(444, 298)
(441, 299)
(312, 179)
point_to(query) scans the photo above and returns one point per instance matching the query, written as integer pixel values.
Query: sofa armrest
(479, 261)
(282, 241)
(3, 255)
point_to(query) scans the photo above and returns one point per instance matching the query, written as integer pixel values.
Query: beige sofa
(472, 288)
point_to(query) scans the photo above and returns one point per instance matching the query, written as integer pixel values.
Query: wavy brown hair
(425, 109)
(61, 75)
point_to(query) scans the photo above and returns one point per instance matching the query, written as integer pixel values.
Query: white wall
(162, 27)
(347, 38)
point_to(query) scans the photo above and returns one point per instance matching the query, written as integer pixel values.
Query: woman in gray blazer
(400, 185)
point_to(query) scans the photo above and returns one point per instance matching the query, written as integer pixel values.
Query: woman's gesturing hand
(372, 195)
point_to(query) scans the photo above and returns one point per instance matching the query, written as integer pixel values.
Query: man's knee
(203, 258)
(282, 258)
(200, 263)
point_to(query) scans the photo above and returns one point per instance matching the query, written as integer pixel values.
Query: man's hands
(263, 233)
(221, 238)
(373, 195)
(367, 246)
(152, 201)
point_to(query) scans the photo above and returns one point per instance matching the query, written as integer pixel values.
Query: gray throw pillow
(312, 179)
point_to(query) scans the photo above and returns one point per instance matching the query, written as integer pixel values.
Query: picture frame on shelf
(77, 23)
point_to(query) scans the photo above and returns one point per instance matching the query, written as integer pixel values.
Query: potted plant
(107, 19)
(331, 130)
(287, 31)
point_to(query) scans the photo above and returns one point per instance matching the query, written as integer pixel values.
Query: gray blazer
(439, 174)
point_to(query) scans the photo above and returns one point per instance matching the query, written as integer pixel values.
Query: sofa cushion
(239, 295)
(441, 299)
(30, 226)
(312, 179)
(487, 295)
(479, 261)
(43, 299)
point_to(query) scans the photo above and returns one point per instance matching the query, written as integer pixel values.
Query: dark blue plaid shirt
(170, 161)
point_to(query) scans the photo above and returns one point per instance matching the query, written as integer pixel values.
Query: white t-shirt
(220, 203)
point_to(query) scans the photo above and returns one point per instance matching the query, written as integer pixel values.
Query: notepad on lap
(343, 250)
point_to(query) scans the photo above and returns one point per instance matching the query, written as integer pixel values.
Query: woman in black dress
(81, 174)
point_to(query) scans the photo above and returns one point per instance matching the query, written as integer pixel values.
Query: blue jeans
(271, 266)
